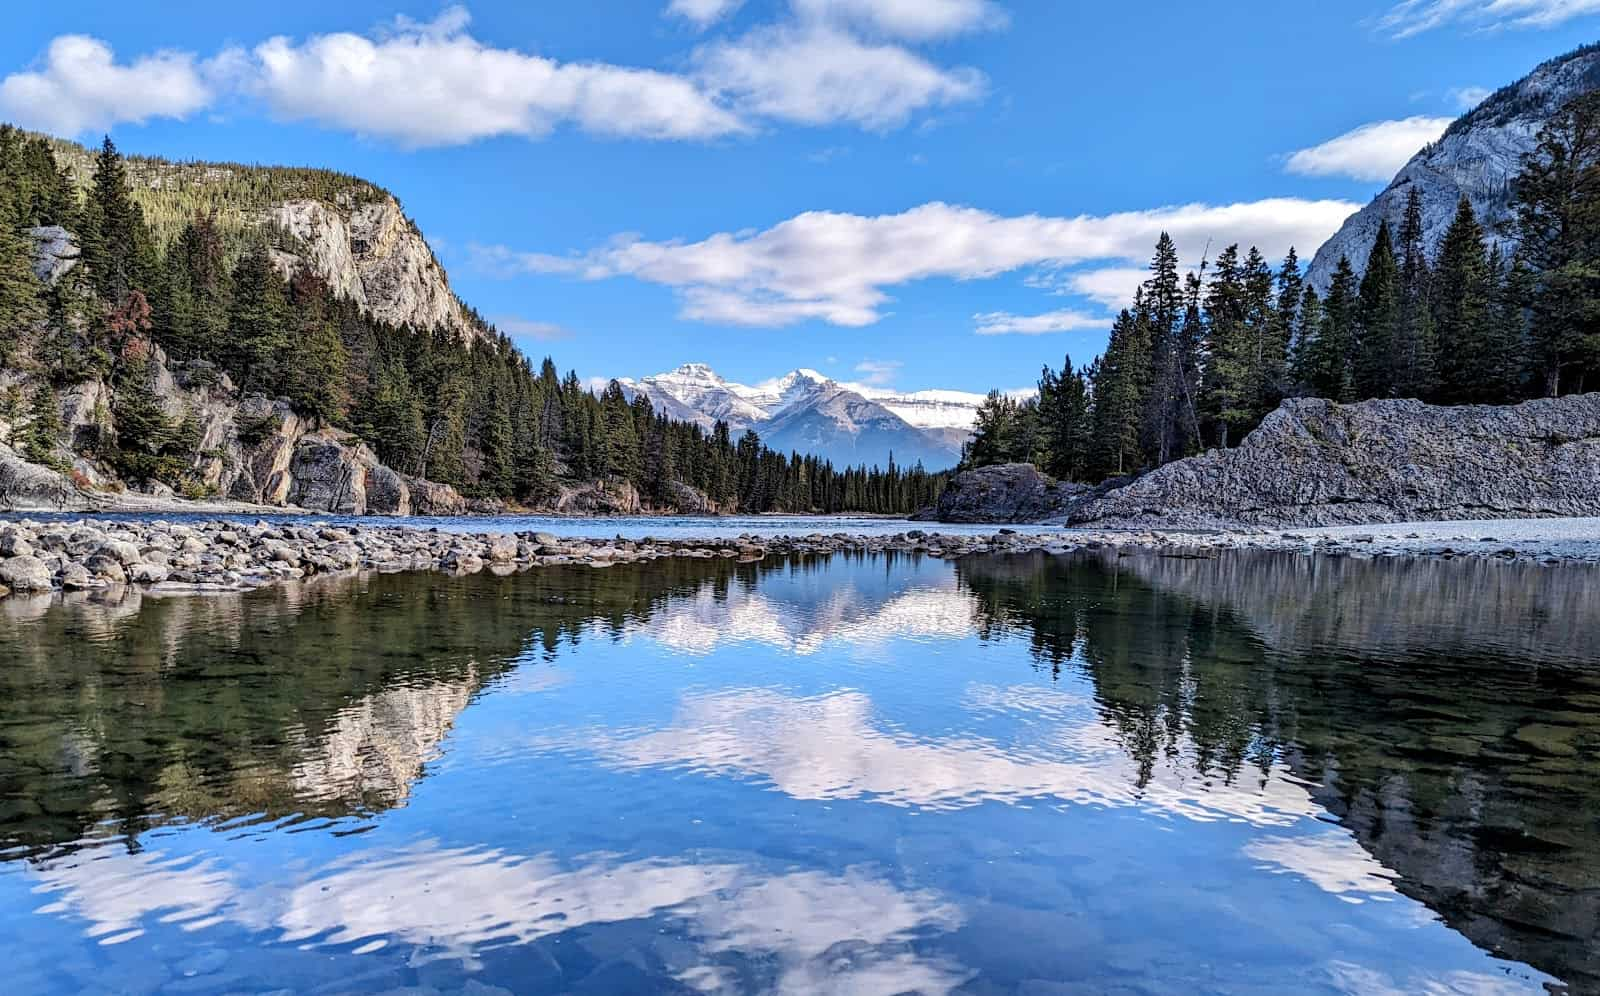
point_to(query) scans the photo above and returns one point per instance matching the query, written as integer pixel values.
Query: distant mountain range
(809, 412)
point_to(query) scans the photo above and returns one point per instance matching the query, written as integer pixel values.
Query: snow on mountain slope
(806, 411)
(1479, 155)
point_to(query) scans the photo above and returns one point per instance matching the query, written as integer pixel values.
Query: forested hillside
(119, 276)
(1197, 361)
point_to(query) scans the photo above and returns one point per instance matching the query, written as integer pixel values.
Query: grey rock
(25, 485)
(1013, 492)
(149, 573)
(121, 551)
(503, 547)
(25, 573)
(107, 568)
(1316, 463)
(55, 253)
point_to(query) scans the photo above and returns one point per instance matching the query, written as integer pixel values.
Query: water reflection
(814, 775)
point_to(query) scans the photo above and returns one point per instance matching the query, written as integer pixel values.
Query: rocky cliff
(1316, 463)
(1478, 156)
(251, 449)
(372, 254)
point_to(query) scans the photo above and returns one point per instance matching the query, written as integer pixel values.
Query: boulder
(432, 498)
(503, 547)
(329, 474)
(1317, 463)
(1012, 492)
(600, 498)
(25, 485)
(25, 573)
(387, 492)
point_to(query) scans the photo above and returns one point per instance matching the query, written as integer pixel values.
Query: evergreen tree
(1558, 224)
(1416, 350)
(116, 248)
(1463, 287)
(1378, 317)
(257, 323)
(43, 431)
(1328, 367)
(1120, 389)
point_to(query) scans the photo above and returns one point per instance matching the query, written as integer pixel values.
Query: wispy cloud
(527, 328)
(839, 268)
(1413, 17)
(1371, 152)
(878, 373)
(1067, 320)
(703, 13)
(1468, 97)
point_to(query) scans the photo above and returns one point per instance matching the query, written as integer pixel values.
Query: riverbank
(221, 555)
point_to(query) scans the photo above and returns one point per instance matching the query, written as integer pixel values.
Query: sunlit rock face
(1478, 157)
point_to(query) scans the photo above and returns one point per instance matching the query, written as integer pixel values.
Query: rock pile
(223, 555)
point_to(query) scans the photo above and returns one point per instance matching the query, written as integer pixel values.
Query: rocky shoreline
(88, 554)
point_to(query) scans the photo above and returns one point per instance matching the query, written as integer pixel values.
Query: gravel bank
(228, 556)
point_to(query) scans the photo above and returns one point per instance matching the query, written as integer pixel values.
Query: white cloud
(80, 88)
(1112, 286)
(433, 84)
(838, 267)
(878, 373)
(703, 13)
(1373, 151)
(1413, 17)
(527, 328)
(914, 20)
(1067, 320)
(817, 75)
(1468, 97)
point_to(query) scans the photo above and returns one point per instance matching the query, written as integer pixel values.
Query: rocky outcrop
(1012, 492)
(55, 253)
(1314, 463)
(1478, 156)
(29, 486)
(600, 498)
(372, 254)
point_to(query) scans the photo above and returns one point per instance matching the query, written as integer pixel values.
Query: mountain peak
(1478, 156)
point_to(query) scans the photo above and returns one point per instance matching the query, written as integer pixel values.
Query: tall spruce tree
(1463, 290)
(1416, 350)
(1558, 226)
(1378, 315)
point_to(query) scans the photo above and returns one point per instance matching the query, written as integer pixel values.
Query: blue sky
(920, 193)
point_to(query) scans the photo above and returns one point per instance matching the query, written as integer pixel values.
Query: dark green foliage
(44, 426)
(1464, 288)
(1378, 320)
(1558, 221)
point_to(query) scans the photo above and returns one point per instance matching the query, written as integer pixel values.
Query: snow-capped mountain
(1479, 155)
(807, 411)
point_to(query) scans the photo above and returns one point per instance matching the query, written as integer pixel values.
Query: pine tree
(1463, 286)
(1328, 368)
(1120, 388)
(21, 293)
(1416, 350)
(1558, 224)
(257, 323)
(117, 250)
(1378, 316)
(43, 431)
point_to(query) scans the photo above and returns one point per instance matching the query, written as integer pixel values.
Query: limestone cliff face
(1478, 157)
(252, 449)
(1315, 463)
(372, 254)
(1013, 492)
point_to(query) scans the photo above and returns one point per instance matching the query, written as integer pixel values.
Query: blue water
(853, 775)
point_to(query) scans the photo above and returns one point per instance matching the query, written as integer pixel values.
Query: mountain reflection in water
(856, 774)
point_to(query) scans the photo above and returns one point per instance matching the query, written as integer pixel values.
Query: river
(857, 774)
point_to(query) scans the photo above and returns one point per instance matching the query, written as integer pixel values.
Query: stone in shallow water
(25, 573)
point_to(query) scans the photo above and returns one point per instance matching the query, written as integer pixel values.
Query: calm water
(857, 775)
